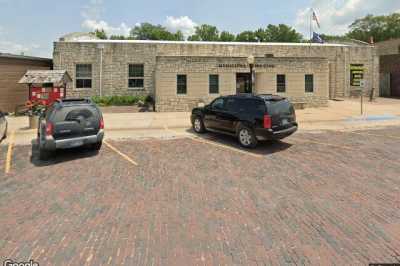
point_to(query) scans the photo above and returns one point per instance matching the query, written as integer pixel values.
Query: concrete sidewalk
(339, 115)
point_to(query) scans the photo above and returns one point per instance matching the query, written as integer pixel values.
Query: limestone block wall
(116, 60)
(198, 70)
(117, 55)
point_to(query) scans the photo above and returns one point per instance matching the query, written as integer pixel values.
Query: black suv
(70, 123)
(249, 117)
(3, 125)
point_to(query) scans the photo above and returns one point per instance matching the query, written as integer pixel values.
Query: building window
(213, 84)
(309, 83)
(136, 76)
(83, 76)
(181, 82)
(356, 75)
(280, 83)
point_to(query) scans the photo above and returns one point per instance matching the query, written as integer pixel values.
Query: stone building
(180, 75)
(389, 54)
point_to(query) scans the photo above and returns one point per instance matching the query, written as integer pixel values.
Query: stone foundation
(187, 104)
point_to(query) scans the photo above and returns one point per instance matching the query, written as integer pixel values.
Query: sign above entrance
(245, 66)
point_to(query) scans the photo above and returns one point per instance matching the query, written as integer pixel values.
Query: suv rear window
(71, 113)
(280, 107)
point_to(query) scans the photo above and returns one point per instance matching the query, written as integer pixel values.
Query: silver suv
(70, 123)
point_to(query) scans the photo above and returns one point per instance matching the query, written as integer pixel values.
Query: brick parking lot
(316, 198)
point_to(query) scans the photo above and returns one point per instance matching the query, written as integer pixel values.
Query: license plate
(285, 122)
(76, 143)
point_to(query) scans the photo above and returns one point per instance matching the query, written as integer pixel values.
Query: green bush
(120, 100)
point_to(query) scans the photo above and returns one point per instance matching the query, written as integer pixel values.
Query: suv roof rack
(271, 97)
(74, 101)
(244, 95)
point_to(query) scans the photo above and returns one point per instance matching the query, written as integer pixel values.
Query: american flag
(314, 17)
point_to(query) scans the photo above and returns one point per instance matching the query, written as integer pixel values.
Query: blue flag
(317, 38)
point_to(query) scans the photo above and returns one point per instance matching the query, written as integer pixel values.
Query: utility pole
(362, 86)
(362, 102)
(101, 48)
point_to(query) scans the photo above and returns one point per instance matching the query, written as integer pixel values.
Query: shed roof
(45, 76)
(25, 57)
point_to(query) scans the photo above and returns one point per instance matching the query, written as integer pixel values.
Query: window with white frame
(83, 76)
(136, 76)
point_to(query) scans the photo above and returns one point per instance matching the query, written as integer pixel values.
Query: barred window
(83, 76)
(281, 83)
(213, 84)
(136, 76)
(309, 83)
(181, 84)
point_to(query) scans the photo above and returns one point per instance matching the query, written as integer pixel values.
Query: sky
(31, 26)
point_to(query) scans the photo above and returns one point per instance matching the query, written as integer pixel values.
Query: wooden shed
(12, 68)
(46, 86)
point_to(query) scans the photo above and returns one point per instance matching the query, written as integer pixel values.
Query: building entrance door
(243, 83)
(395, 84)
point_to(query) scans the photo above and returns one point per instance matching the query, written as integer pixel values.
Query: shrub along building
(182, 74)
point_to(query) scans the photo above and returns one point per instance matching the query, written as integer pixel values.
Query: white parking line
(322, 143)
(198, 139)
(375, 135)
(7, 169)
(123, 155)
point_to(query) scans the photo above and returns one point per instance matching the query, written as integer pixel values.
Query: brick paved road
(323, 198)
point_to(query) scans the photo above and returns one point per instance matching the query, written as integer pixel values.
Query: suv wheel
(247, 137)
(198, 125)
(44, 154)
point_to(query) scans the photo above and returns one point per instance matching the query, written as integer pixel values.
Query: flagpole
(311, 18)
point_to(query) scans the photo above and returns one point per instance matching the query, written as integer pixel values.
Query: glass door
(243, 83)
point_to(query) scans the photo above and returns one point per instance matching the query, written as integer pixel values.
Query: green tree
(101, 34)
(205, 32)
(179, 36)
(147, 31)
(226, 36)
(282, 33)
(381, 28)
(261, 35)
(273, 33)
(117, 37)
(194, 38)
(246, 36)
(333, 38)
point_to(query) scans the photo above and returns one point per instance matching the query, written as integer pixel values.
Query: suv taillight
(267, 121)
(101, 123)
(49, 129)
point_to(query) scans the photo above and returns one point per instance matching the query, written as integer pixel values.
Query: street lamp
(250, 61)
